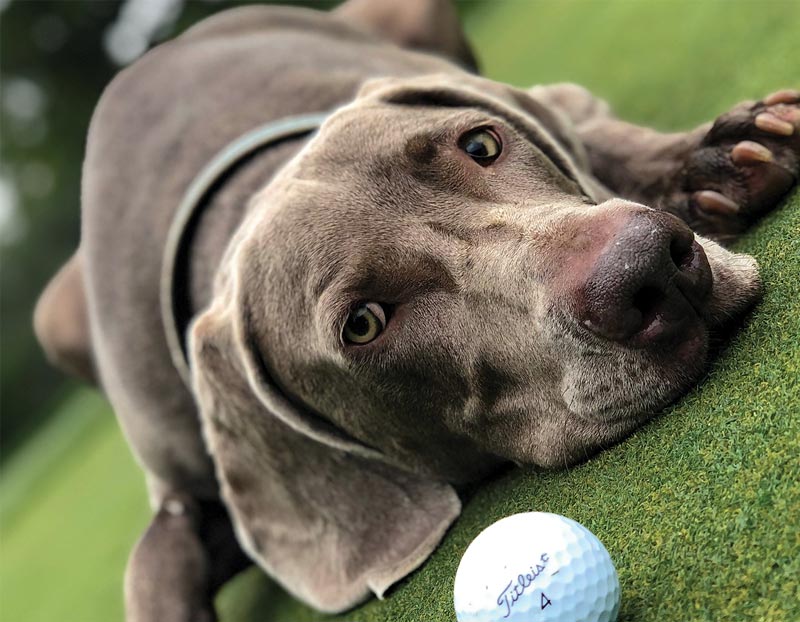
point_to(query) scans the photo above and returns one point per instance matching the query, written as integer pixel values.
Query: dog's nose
(651, 278)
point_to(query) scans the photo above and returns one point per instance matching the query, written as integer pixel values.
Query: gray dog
(393, 277)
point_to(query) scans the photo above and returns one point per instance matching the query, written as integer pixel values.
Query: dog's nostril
(681, 253)
(643, 287)
(646, 300)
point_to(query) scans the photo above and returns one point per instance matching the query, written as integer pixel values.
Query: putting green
(700, 510)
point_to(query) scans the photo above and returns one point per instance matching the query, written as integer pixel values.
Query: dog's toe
(773, 124)
(713, 202)
(784, 96)
(749, 152)
(748, 160)
(766, 177)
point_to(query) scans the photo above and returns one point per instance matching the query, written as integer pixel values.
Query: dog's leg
(186, 554)
(61, 322)
(718, 177)
(426, 25)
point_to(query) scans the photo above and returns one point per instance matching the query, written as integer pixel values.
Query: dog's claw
(713, 202)
(768, 122)
(790, 114)
(751, 152)
(744, 165)
(784, 96)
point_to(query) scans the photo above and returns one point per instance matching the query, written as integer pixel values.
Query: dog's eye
(365, 323)
(482, 145)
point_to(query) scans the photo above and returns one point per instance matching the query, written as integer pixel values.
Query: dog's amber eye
(365, 323)
(482, 145)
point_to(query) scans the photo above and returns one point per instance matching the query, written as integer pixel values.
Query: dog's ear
(425, 25)
(550, 129)
(327, 517)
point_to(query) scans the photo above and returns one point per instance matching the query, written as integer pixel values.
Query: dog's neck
(176, 311)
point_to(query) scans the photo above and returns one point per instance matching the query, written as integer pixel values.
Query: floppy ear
(552, 130)
(327, 517)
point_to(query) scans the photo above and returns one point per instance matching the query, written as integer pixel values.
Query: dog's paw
(748, 160)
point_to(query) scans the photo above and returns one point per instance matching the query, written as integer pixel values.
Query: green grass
(73, 503)
(700, 510)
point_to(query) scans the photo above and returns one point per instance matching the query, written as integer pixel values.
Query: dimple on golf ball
(536, 567)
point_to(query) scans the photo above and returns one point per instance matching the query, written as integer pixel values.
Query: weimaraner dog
(350, 322)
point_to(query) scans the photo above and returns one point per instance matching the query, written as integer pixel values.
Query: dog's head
(432, 287)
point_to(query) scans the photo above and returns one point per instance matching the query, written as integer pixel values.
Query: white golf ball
(536, 567)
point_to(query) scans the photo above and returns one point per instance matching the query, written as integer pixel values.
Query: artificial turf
(700, 509)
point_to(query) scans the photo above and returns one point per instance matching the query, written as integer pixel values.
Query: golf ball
(536, 567)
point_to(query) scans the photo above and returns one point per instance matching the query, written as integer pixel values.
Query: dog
(328, 275)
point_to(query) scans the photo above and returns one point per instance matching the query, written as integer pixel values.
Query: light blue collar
(191, 206)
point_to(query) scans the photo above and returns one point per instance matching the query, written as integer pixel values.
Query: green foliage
(42, 153)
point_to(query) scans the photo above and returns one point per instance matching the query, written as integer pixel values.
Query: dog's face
(434, 280)
(420, 280)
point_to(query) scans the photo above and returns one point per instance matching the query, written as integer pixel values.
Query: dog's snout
(651, 278)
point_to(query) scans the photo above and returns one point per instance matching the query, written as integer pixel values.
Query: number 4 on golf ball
(536, 567)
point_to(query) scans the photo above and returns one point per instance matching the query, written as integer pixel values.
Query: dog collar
(190, 207)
